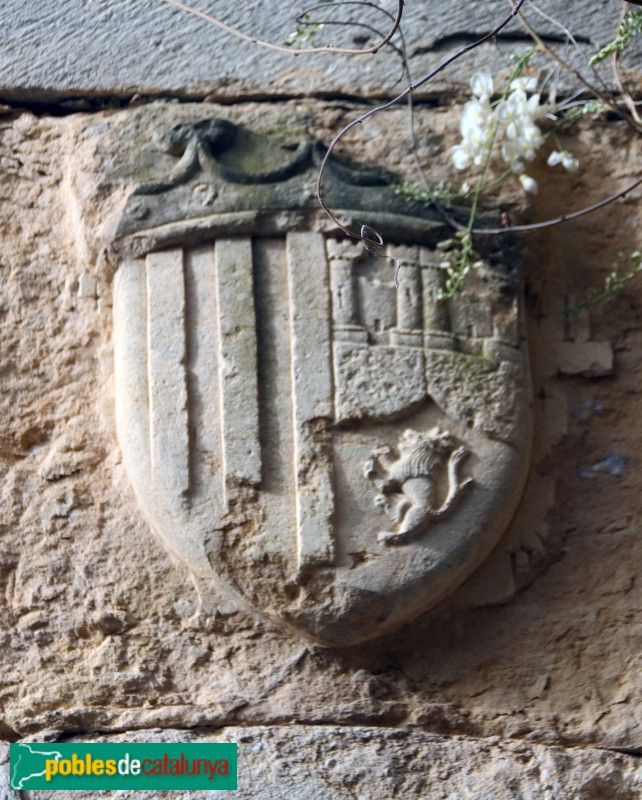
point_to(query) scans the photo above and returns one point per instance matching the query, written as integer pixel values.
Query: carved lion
(406, 482)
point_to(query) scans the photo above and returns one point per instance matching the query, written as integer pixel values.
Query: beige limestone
(100, 630)
(129, 47)
(330, 762)
(401, 421)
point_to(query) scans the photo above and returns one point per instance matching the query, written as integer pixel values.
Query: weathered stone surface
(370, 384)
(591, 359)
(327, 379)
(103, 630)
(331, 762)
(132, 46)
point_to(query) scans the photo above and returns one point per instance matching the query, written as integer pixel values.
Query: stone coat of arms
(316, 444)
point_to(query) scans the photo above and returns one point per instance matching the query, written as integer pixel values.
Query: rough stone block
(132, 46)
(590, 359)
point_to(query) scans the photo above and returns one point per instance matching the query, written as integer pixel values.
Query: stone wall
(523, 683)
(131, 47)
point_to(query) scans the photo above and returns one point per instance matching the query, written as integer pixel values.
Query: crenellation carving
(409, 298)
(378, 355)
(344, 249)
(377, 305)
(364, 312)
(436, 316)
(437, 330)
(343, 294)
(471, 319)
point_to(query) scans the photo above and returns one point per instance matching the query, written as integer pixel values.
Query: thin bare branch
(587, 209)
(546, 48)
(354, 24)
(636, 120)
(570, 38)
(406, 93)
(563, 217)
(619, 81)
(371, 238)
(283, 48)
(401, 51)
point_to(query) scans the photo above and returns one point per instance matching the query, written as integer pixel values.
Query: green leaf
(630, 27)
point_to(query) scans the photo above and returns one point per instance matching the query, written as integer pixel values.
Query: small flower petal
(481, 85)
(566, 159)
(461, 157)
(532, 135)
(528, 184)
(525, 84)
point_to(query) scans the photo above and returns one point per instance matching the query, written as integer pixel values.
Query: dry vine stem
(368, 242)
(293, 51)
(608, 101)
(401, 52)
(635, 119)
(545, 48)
(371, 237)
(547, 223)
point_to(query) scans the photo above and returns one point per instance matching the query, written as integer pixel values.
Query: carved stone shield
(316, 444)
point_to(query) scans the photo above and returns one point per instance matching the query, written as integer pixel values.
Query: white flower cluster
(512, 122)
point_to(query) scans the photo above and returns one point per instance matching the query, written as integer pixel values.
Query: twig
(605, 98)
(407, 92)
(571, 39)
(587, 209)
(563, 217)
(636, 120)
(293, 51)
(352, 24)
(400, 51)
(619, 80)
